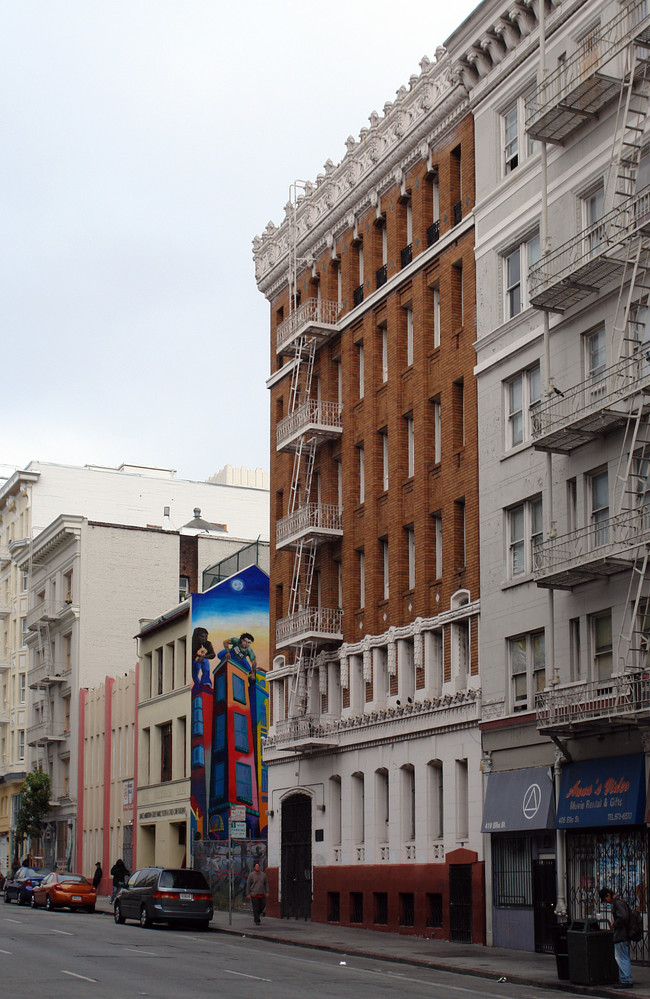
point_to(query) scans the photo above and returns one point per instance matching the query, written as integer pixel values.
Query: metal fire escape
(309, 422)
(615, 60)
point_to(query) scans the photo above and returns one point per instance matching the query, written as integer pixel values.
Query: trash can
(560, 931)
(591, 954)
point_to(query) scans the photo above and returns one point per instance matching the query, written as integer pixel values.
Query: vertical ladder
(632, 112)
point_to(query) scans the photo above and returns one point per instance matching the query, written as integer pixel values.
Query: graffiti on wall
(230, 647)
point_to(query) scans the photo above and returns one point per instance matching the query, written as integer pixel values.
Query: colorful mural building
(230, 705)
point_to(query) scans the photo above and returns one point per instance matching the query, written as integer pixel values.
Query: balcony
(47, 675)
(592, 552)
(617, 701)
(46, 732)
(313, 419)
(594, 407)
(587, 262)
(46, 612)
(357, 295)
(317, 522)
(314, 318)
(579, 88)
(406, 255)
(433, 233)
(303, 734)
(382, 275)
(320, 625)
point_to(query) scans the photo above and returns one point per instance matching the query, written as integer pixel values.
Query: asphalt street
(64, 955)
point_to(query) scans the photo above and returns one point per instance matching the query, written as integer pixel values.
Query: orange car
(61, 889)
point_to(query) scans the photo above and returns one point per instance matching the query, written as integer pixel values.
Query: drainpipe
(560, 846)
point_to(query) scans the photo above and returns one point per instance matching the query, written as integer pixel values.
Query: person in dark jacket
(620, 920)
(98, 875)
(120, 876)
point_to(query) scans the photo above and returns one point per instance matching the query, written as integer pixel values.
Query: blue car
(19, 887)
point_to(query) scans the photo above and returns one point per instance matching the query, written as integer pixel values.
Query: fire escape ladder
(634, 637)
(630, 124)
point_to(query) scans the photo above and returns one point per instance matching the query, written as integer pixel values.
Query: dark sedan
(19, 888)
(165, 895)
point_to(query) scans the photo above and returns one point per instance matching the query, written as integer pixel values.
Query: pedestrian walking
(98, 875)
(120, 876)
(257, 888)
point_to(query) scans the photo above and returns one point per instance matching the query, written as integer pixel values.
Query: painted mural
(230, 649)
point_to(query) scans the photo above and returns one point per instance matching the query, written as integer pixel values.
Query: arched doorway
(295, 859)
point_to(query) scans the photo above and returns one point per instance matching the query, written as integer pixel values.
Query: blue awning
(607, 792)
(518, 800)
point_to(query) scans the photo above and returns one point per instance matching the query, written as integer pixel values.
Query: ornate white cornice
(432, 103)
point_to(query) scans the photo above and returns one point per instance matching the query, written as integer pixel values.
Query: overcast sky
(144, 144)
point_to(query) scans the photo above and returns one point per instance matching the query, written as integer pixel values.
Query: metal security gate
(460, 903)
(618, 859)
(295, 858)
(544, 897)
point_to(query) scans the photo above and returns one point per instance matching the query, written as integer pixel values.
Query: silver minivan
(165, 895)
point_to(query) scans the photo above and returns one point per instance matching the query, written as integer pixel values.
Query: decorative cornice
(383, 154)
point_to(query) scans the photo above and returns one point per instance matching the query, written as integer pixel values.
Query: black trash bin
(560, 931)
(591, 954)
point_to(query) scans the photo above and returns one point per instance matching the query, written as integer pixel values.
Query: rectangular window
(166, 752)
(437, 533)
(523, 394)
(244, 780)
(384, 354)
(410, 446)
(516, 264)
(362, 474)
(21, 695)
(385, 568)
(436, 316)
(362, 373)
(599, 488)
(362, 578)
(21, 744)
(409, 336)
(524, 533)
(603, 651)
(593, 208)
(437, 431)
(596, 364)
(410, 555)
(240, 723)
(527, 669)
(238, 689)
(384, 458)
(517, 144)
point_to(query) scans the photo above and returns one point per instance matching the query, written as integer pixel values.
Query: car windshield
(26, 872)
(193, 880)
(73, 877)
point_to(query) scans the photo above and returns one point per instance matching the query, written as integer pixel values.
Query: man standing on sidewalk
(620, 920)
(257, 888)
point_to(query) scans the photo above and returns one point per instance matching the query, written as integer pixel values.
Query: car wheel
(89, 908)
(33, 901)
(203, 925)
(117, 913)
(21, 900)
(145, 919)
(48, 903)
(7, 899)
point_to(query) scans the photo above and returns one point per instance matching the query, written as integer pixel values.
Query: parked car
(165, 895)
(19, 888)
(62, 889)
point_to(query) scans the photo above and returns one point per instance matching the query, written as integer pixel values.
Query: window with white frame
(437, 537)
(362, 371)
(602, 647)
(524, 532)
(593, 208)
(362, 578)
(523, 392)
(517, 144)
(362, 473)
(516, 264)
(409, 336)
(596, 363)
(526, 656)
(410, 446)
(436, 316)
(383, 434)
(599, 491)
(384, 354)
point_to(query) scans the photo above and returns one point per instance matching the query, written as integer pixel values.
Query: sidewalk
(518, 967)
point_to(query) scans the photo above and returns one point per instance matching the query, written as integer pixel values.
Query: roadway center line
(63, 932)
(8, 919)
(75, 975)
(135, 950)
(6, 952)
(242, 975)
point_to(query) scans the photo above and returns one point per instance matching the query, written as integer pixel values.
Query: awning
(607, 792)
(518, 800)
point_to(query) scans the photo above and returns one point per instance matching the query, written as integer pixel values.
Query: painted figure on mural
(242, 647)
(202, 652)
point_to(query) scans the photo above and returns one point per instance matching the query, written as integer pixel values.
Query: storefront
(519, 816)
(602, 806)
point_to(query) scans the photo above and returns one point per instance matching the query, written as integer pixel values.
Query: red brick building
(374, 779)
